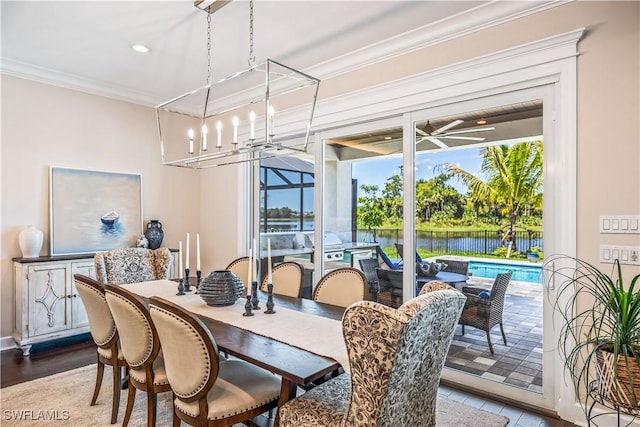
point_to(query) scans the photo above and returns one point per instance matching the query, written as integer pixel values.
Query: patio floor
(519, 363)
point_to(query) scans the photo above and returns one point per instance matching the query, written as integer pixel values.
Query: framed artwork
(93, 211)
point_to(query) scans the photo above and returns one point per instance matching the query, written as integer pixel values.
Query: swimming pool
(521, 272)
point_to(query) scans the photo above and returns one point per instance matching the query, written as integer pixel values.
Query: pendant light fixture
(263, 111)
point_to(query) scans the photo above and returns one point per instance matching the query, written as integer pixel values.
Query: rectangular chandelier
(263, 111)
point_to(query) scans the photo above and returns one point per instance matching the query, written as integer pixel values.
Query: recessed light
(140, 48)
(481, 122)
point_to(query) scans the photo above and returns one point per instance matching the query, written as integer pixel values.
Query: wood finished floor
(49, 359)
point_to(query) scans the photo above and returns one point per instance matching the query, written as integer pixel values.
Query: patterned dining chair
(287, 278)
(341, 287)
(131, 265)
(396, 357)
(208, 391)
(484, 308)
(141, 349)
(105, 335)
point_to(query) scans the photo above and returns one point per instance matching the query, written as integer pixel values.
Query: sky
(377, 171)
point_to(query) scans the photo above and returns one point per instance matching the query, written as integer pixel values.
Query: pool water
(521, 272)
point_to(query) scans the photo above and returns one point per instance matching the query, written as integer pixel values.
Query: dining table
(283, 343)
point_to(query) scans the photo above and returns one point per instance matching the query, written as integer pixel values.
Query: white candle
(235, 129)
(249, 274)
(219, 128)
(252, 123)
(205, 132)
(198, 251)
(186, 259)
(191, 135)
(180, 260)
(255, 257)
(270, 280)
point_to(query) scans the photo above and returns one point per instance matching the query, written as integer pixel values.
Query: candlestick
(180, 260)
(219, 128)
(247, 307)
(187, 285)
(205, 132)
(180, 288)
(235, 129)
(270, 304)
(198, 280)
(198, 251)
(186, 259)
(254, 295)
(252, 125)
(270, 275)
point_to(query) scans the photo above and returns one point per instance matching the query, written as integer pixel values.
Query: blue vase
(154, 234)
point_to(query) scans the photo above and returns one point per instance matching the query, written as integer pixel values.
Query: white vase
(30, 240)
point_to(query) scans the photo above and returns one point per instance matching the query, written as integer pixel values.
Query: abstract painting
(93, 211)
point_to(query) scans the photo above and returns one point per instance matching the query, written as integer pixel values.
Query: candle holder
(247, 307)
(254, 296)
(180, 287)
(198, 279)
(270, 304)
(187, 285)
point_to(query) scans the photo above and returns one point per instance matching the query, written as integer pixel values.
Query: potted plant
(599, 340)
(534, 254)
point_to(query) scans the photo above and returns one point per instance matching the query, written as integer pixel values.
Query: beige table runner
(309, 332)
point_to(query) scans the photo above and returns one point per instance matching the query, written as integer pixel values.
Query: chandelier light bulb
(219, 128)
(272, 113)
(252, 123)
(191, 134)
(205, 132)
(235, 129)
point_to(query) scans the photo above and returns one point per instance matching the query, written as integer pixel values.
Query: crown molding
(481, 17)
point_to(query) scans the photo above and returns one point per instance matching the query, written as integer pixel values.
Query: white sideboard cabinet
(47, 305)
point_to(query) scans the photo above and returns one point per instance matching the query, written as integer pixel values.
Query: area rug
(63, 400)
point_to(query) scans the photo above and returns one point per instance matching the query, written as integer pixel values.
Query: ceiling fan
(435, 135)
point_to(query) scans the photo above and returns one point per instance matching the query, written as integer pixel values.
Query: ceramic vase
(221, 287)
(154, 234)
(30, 240)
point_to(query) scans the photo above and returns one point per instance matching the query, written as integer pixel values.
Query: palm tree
(513, 178)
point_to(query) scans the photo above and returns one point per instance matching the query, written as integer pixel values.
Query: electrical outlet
(629, 255)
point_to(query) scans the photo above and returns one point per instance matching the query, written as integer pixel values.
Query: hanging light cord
(252, 58)
(209, 49)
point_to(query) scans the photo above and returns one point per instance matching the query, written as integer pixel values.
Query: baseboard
(7, 343)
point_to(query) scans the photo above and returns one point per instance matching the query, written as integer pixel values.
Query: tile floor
(519, 363)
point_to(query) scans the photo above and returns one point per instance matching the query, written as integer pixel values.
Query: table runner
(309, 332)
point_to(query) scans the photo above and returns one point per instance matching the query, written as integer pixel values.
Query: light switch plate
(620, 224)
(629, 255)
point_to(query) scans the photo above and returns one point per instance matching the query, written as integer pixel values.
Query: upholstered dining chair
(240, 267)
(396, 357)
(208, 391)
(483, 309)
(369, 267)
(287, 278)
(131, 265)
(105, 335)
(341, 287)
(141, 349)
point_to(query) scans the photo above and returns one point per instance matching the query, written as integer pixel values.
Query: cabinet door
(79, 317)
(48, 300)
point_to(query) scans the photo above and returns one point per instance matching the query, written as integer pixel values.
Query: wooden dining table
(295, 365)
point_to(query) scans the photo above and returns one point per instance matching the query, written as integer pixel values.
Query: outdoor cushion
(385, 262)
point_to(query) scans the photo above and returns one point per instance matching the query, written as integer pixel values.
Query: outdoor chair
(390, 284)
(287, 278)
(141, 349)
(455, 266)
(400, 249)
(132, 265)
(341, 287)
(369, 267)
(483, 309)
(105, 335)
(385, 262)
(396, 359)
(208, 391)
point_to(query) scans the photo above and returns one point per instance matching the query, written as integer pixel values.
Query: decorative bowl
(429, 269)
(221, 287)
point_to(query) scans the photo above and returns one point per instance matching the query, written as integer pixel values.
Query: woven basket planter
(622, 387)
